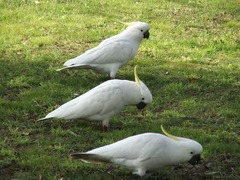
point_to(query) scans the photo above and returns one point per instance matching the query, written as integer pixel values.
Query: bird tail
(82, 66)
(44, 119)
(86, 157)
(63, 68)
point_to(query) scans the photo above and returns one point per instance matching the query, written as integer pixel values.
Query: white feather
(144, 152)
(103, 101)
(112, 53)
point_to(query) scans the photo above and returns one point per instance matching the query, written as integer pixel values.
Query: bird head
(189, 150)
(146, 96)
(138, 29)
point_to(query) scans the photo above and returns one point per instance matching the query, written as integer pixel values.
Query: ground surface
(191, 64)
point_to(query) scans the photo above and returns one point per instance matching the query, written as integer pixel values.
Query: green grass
(191, 63)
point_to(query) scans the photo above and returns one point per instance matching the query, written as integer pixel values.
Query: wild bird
(104, 101)
(145, 152)
(112, 53)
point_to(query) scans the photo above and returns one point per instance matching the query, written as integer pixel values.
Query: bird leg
(105, 128)
(143, 112)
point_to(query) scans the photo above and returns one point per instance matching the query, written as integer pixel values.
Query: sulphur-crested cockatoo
(112, 53)
(145, 152)
(105, 101)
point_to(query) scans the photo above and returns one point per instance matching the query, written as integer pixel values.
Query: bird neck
(131, 93)
(181, 155)
(173, 152)
(132, 34)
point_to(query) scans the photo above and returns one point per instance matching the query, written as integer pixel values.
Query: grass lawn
(191, 64)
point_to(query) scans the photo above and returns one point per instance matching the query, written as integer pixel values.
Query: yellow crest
(125, 23)
(136, 76)
(169, 135)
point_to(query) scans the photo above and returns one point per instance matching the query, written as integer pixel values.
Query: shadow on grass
(31, 89)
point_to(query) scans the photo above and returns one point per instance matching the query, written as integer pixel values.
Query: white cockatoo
(145, 152)
(112, 53)
(105, 101)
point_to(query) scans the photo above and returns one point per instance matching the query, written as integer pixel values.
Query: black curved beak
(146, 34)
(195, 159)
(141, 105)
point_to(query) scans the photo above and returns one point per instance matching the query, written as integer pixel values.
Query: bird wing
(141, 147)
(97, 102)
(120, 51)
(86, 157)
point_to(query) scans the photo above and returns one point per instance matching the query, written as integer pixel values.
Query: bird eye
(191, 152)
(141, 30)
(142, 98)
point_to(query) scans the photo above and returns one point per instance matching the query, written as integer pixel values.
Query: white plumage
(105, 101)
(145, 152)
(112, 53)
